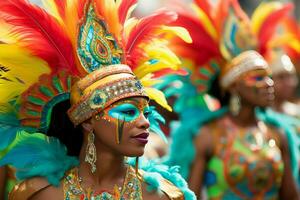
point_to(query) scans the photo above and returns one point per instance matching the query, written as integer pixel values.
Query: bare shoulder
(204, 141)
(49, 193)
(29, 189)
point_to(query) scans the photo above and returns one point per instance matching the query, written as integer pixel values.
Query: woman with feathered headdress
(237, 153)
(75, 84)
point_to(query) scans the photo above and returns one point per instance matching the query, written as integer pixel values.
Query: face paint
(256, 79)
(128, 111)
(125, 112)
(119, 131)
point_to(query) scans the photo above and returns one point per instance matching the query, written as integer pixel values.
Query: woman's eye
(129, 112)
(259, 78)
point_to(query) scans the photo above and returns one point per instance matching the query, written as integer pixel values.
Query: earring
(90, 153)
(97, 117)
(235, 104)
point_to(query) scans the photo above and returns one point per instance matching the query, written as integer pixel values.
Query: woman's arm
(203, 145)
(288, 188)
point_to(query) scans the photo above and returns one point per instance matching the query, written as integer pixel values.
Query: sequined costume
(242, 166)
(91, 54)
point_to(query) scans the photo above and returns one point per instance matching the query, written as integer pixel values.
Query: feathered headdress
(288, 39)
(222, 31)
(89, 51)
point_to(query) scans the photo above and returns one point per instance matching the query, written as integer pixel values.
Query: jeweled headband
(100, 89)
(244, 62)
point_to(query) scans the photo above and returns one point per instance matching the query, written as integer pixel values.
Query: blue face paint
(127, 112)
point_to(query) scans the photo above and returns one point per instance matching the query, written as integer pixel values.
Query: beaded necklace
(131, 189)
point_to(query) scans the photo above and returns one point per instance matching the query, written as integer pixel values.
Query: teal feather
(155, 119)
(182, 150)
(9, 125)
(38, 155)
(154, 172)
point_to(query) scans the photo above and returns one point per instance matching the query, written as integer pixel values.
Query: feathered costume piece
(89, 52)
(225, 44)
(288, 39)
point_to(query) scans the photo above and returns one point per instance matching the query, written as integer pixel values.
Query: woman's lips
(142, 138)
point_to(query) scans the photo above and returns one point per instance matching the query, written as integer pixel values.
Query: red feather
(165, 72)
(145, 30)
(40, 33)
(268, 28)
(123, 9)
(203, 44)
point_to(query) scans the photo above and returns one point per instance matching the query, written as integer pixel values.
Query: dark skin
(110, 165)
(2, 180)
(259, 94)
(285, 85)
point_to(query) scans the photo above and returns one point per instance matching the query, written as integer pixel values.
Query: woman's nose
(269, 82)
(143, 122)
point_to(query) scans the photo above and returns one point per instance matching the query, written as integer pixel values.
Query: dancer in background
(77, 87)
(238, 151)
(286, 82)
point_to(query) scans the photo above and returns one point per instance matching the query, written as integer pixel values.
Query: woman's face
(123, 127)
(256, 88)
(285, 85)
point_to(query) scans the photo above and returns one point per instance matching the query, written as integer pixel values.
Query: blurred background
(147, 6)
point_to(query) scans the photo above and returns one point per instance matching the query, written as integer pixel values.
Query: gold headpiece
(244, 62)
(101, 88)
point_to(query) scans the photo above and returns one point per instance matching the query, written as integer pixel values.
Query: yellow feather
(18, 71)
(158, 96)
(161, 52)
(5, 33)
(261, 12)
(52, 9)
(178, 31)
(148, 81)
(147, 68)
(206, 22)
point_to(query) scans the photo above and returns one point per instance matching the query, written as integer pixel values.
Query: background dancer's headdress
(226, 44)
(288, 40)
(88, 51)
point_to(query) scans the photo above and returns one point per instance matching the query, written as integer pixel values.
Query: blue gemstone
(97, 100)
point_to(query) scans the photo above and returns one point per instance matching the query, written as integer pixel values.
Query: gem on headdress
(98, 99)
